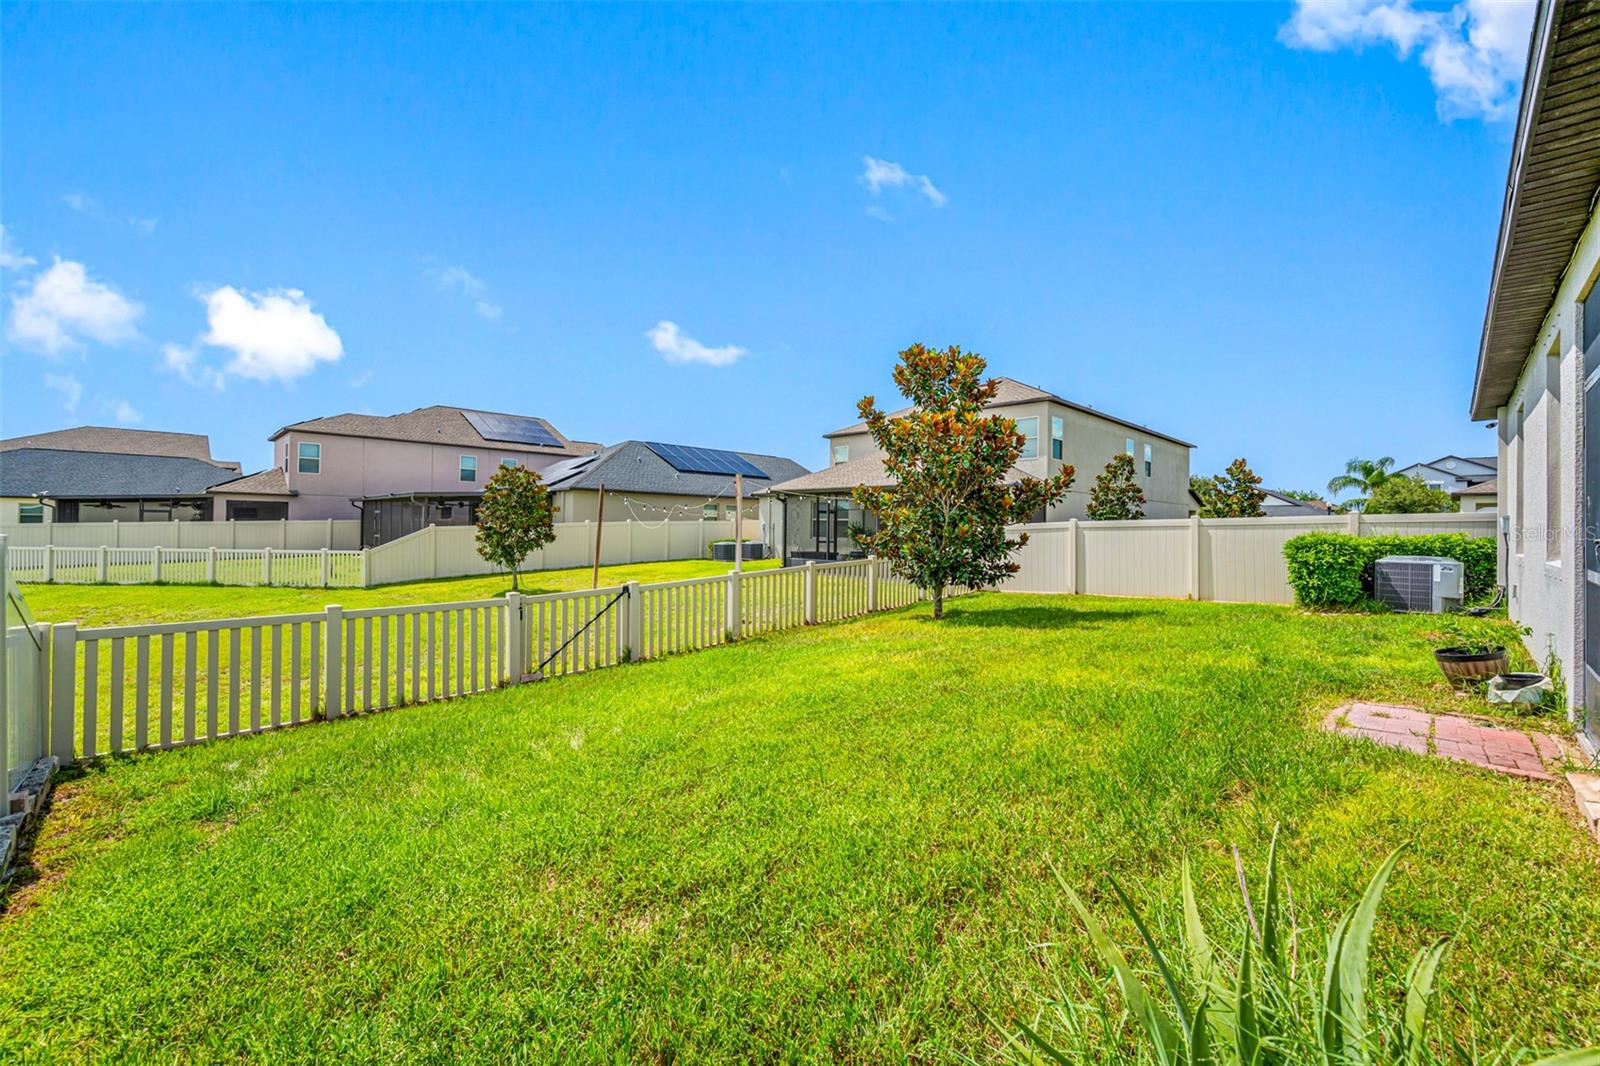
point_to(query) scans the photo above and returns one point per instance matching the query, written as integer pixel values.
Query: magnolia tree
(515, 517)
(1116, 495)
(1400, 494)
(1234, 493)
(942, 523)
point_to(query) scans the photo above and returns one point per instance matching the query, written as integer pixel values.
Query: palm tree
(1361, 476)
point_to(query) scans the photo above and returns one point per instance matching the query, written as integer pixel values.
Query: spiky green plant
(1256, 1006)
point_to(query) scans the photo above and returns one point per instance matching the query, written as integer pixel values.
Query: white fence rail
(298, 533)
(116, 689)
(189, 566)
(1237, 560)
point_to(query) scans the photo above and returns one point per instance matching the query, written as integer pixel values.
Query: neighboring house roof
(115, 440)
(1482, 488)
(633, 466)
(273, 482)
(1013, 392)
(431, 425)
(68, 475)
(1278, 501)
(1550, 192)
(842, 477)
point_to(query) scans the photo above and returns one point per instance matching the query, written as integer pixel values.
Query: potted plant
(1471, 649)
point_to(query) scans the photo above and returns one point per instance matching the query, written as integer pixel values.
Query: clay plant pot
(1463, 665)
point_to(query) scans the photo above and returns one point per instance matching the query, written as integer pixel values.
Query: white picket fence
(116, 689)
(281, 533)
(1234, 560)
(322, 568)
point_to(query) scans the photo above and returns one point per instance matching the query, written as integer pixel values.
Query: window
(1128, 445)
(310, 458)
(727, 512)
(508, 462)
(709, 512)
(445, 511)
(1029, 428)
(469, 468)
(1058, 434)
(31, 514)
(1149, 463)
(1552, 456)
(841, 453)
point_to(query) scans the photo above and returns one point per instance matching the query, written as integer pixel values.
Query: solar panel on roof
(514, 429)
(687, 460)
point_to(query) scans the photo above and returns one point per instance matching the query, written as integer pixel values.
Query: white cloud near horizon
(460, 279)
(881, 174)
(678, 348)
(63, 306)
(1474, 51)
(10, 257)
(274, 335)
(70, 388)
(184, 361)
(124, 412)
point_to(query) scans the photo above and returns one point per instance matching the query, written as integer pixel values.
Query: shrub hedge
(1335, 569)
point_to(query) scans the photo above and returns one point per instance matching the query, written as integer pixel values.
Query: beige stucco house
(1538, 370)
(810, 516)
(400, 473)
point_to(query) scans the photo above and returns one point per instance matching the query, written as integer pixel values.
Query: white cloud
(124, 412)
(63, 306)
(70, 388)
(1474, 52)
(882, 174)
(679, 348)
(10, 258)
(185, 362)
(361, 379)
(460, 279)
(145, 226)
(80, 202)
(274, 336)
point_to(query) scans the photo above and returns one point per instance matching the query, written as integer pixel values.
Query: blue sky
(1263, 229)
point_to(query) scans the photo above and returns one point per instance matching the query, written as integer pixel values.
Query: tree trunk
(514, 579)
(938, 602)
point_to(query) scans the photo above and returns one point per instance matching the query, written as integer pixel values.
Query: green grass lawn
(828, 844)
(106, 605)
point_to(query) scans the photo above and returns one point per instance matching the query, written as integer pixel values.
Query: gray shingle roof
(116, 440)
(1015, 392)
(633, 467)
(103, 475)
(426, 425)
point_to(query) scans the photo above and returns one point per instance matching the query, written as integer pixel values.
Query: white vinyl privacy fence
(115, 689)
(1236, 560)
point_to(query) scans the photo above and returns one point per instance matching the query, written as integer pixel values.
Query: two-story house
(400, 473)
(811, 515)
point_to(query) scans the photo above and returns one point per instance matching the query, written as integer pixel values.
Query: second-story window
(508, 462)
(1149, 463)
(1058, 436)
(469, 468)
(309, 458)
(841, 453)
(1029, 428)
(1128, 445)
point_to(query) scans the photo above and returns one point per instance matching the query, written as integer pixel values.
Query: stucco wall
(1543, 571)
(353, 467)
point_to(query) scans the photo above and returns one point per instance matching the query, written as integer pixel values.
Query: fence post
(116, 533)
(102, 572)
(332, 661)
(1194, 557)
(734, 611)
(872, 583)
(63, 676)
(266, 566)
(211, 565)
(515, 640)
(1352, 523)
(366, 581)
(627, 525)
(327, 539)
(49, 563)
(327, 564)
(155, 565)
(1072, 555)
(633, 622)
(811, 592)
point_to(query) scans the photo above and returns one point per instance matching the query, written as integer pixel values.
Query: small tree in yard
(1116, 496)
(1400, 494)
(943, 521)
(1234, 493)
(515, 517)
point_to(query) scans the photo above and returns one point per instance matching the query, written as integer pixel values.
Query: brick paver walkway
(1508, 751)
